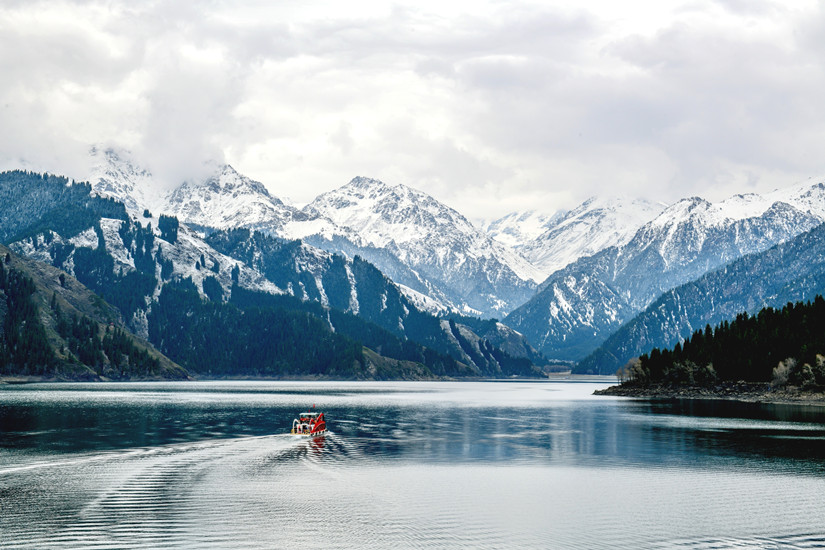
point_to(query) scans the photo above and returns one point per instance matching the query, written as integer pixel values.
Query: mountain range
(569, 284)
(422, 244)
(551, 243)
(137, 261)
(597, 265)
(580, 306)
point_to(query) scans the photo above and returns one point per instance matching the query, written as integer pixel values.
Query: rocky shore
(734, 391)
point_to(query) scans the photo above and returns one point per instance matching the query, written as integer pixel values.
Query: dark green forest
(112, 355)
(369, 334)
(51, 340)
(219, 339)
(420, 339)
(781, 346)
(24, 347)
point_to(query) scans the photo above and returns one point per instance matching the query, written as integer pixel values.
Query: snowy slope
(445, 256)
(114, 174)
(225, 200)
(552, 242)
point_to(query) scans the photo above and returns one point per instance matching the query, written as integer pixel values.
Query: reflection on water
(495, 465)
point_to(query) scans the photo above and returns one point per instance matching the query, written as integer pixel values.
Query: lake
(405, 465)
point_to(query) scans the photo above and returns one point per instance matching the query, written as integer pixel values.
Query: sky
(489, 106)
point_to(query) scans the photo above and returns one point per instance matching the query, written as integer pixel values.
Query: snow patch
(419, 300)
(353, 297)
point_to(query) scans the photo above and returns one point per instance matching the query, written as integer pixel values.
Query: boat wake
(162, 497)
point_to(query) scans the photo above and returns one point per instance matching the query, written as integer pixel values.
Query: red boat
(309, 423)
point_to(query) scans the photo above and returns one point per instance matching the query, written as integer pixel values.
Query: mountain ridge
(425, 245)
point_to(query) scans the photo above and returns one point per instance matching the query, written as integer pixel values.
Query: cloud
(488, 106)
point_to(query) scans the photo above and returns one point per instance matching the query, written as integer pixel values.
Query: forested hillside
(359, 295)
(33, 203)
(54, 327)
(785, 346)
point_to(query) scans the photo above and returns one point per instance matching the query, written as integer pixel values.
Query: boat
(309, 424)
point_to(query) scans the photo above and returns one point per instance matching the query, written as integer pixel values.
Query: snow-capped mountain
(423, 244)
(226, 200)
(579, 306)
(113, 174)
(596, 224)
(427, 247)
(517, 228)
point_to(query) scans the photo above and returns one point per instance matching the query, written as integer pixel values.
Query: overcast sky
(490, 107)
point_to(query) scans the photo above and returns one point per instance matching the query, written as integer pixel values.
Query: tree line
(779, 346)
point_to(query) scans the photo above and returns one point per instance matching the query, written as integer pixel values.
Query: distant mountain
(422, 244)
(789, 272)
(578, 307)
(227, 200)
(596, 224)
(53, 326)
(518, 228)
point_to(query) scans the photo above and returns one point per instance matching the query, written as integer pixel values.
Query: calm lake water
(406, 465)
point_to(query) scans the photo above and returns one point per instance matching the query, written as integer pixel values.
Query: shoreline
(747, 392)
(12, 380)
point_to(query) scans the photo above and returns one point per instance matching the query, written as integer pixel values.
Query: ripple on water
(411, 476)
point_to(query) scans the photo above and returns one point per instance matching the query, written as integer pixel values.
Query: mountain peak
(224, 180)
(228, 170)
(361, 182)
(115, 175)
(227, 199)
(362, 187)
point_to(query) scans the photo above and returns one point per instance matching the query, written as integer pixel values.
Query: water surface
(406, 465)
